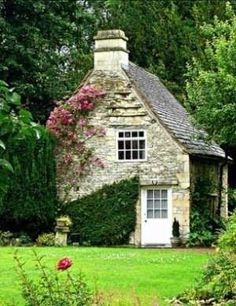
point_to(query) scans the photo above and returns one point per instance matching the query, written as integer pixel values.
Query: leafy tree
(164, 35)
(45, 49)
(211, 84)
(46, 45)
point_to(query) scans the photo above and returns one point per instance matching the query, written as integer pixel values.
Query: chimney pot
(110, 50)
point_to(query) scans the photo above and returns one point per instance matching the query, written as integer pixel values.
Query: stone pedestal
(61, 235)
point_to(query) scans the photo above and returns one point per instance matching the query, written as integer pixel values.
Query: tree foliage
(46, 45)
(211, 84)
(44, 49)
(27, 180)
(164, 35)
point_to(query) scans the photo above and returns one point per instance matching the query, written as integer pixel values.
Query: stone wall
(167, 164)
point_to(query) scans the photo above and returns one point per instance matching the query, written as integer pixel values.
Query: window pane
(164, 204)
(150, 204)
(120, 144)
(135, 154)
(142, 144)
(121, 134)
(150, 214)
(134, 134)
(135, 144)
(141, 154)
(127, 134)
(157, 214)
(164, 194)
(157, 194)
(150, 194)
(128, 155)
(121, 155)
(127, 144)
(164, 214)
(141, 134)
(157, 204)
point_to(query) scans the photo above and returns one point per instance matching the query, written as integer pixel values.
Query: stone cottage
(149, 135)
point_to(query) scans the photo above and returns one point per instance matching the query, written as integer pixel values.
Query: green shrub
(175, 229)
(227, 240)
(106, 217)
(24, 238)
(219, 279)
(218, 284)
(54, 288)
(46, 239)
(30, 203)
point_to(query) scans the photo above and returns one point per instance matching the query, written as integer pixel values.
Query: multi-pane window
(131, 145)
(157, 204)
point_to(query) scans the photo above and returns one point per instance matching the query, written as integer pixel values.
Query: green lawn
(124, 275)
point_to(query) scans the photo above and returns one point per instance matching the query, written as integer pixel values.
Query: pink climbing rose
(72, 128)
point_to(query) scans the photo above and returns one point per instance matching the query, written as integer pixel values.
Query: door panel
(156, 216)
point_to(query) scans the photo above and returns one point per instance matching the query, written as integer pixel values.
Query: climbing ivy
(108, 216)
(205, 224)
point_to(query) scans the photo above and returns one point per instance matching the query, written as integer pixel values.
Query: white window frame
(131, 138)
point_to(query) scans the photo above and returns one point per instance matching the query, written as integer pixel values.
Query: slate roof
(171, 113)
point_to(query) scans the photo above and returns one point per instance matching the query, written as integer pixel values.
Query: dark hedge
(108, 216)
(30, 203)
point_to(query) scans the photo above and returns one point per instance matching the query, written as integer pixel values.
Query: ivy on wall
(204, 222)
(30, 203)
(108, 216)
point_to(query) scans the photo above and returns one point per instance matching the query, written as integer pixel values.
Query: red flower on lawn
(64, 263)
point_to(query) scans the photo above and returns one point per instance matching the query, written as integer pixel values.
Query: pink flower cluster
(83, 121)
(85, 98)
(64, 115)
(91, 92)
(69, 123)
(59, 116)
(77, 103)
(95, 131)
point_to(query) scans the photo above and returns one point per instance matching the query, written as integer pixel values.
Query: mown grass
(124, 276)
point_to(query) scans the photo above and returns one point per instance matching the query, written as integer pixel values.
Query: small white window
(131, 145)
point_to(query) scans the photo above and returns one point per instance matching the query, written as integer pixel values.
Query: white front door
(156, 216)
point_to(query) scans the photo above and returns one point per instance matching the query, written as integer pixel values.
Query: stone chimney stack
(110, 50)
